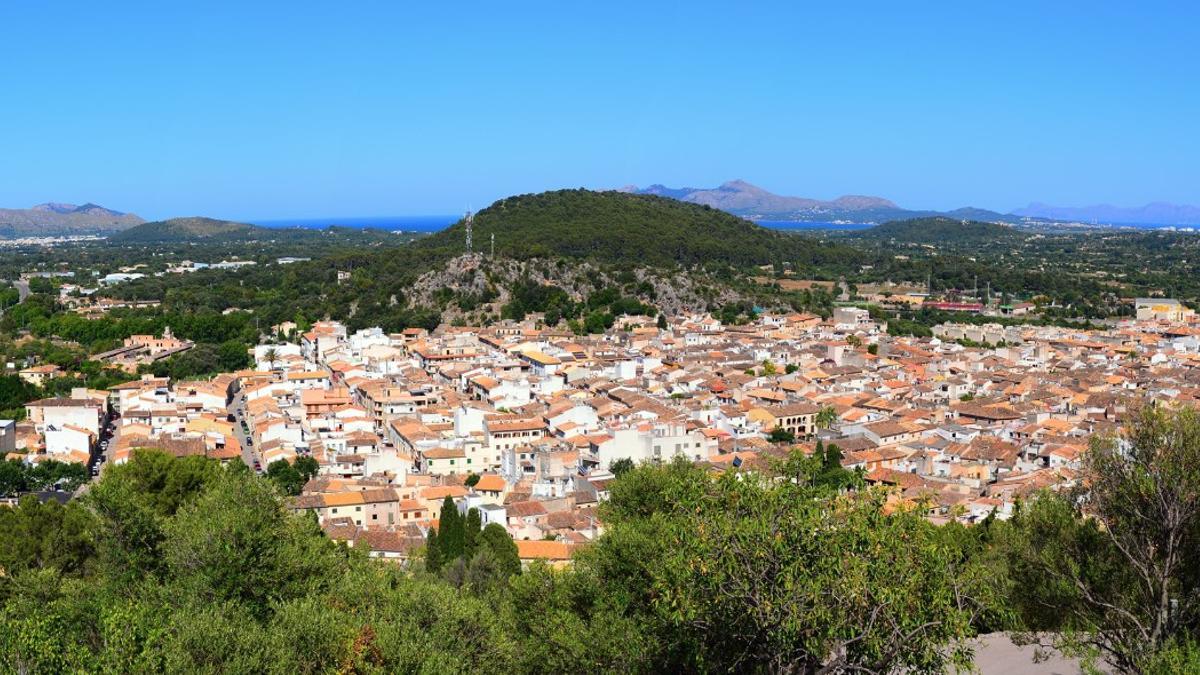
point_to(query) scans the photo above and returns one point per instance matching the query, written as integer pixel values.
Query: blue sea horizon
(435, 223)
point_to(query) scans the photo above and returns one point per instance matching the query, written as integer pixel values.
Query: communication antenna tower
(493, 245)
(470, 220)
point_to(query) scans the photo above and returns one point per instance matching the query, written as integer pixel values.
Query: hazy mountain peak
(96, 209)
(57, 218)
(55, 207)
(743, 198)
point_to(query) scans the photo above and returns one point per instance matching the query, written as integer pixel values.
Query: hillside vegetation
(623, 228)
(941, 231)
(211, 231)
(187, 229)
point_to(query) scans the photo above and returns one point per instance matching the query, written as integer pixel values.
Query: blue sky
(297, 109)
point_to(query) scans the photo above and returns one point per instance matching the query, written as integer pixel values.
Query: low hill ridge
(188, 229)
(941, 230)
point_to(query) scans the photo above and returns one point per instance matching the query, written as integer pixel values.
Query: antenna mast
(470, 220)
(493, 245)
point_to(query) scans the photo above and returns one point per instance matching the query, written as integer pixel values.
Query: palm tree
(826, 416)
(270, 357)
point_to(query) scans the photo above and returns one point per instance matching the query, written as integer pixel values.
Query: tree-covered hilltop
(941, 231)
(619, 227)
(210, 230)
(185, 229)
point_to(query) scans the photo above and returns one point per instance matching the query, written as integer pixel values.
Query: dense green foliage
(290, 477)
(1117, 566)
(462, 549)
(171, 565)
(178, 565)
(17, 477)
(942, 231)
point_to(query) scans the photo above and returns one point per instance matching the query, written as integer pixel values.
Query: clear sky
(259, 109)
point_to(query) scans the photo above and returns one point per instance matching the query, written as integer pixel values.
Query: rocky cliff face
(476, 275)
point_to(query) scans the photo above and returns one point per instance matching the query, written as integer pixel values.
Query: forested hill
(623, 228)
(941, 231)
(210, 230)
(187, 229)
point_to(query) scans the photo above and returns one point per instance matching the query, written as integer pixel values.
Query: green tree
(471, 527)
(495, 539)
(620, 466)
(236, 543)
(1118, 560)
(452, 535)
(36, 535)
(826, 417)
(14, 478)
(750, 574)
(307, 466)
(282, 473)
(780, 435)
(433, 551)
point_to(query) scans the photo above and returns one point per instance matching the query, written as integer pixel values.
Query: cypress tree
(451, 532)
(496, 539)
(471, 535)
(433, 558)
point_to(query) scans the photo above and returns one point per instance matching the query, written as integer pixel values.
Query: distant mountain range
(54, 218)
(750, 201)
(1157, 213)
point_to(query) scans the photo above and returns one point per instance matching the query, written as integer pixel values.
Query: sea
(435, 223)
(389, 223)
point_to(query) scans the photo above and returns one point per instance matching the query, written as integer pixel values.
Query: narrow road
(237, 407)
(22, 291)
